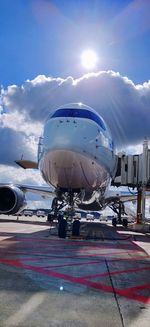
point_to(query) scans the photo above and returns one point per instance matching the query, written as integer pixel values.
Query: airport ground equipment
(40, 213)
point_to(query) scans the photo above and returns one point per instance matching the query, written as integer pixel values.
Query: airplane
(76, 156)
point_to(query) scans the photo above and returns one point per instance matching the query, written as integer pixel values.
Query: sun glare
(89, 59)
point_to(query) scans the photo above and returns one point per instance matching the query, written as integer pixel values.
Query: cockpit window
(79, 113)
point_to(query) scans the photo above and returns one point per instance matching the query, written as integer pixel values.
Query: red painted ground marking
(133, 296)
(32, 258)
(15, 263)
(77, 243)
(137, 288)
(60, 265)
(131, 259)
(117, 272)
(95, 262)
(61, 250)
(128, 293)
(65, 242)
(56, 243)
(78, 256)
(51, 243)
(52, 248)
(73, 264)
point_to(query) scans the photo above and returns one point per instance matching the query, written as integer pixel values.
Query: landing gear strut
(57, 205)
(114, 222)
(63, 197)
(118, 208)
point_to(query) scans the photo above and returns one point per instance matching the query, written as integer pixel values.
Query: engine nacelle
(12, 199)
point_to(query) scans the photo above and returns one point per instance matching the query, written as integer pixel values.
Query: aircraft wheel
(50, 218)
(62, 228)
(76, 228)
(114, 222)
(125, 222)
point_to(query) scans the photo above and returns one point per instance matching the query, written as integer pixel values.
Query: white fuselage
(77, 150)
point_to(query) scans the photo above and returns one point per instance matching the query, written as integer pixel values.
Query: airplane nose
(68, 134)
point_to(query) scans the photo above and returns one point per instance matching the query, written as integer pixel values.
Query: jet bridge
(134, 171)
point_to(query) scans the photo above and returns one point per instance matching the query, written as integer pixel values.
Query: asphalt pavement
(102, 280)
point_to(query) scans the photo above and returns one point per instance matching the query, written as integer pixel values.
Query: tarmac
(102, 280)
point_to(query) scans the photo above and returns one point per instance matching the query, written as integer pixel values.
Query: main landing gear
(124, 222)
(118, 208)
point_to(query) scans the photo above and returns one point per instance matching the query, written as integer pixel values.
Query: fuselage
(77, 150)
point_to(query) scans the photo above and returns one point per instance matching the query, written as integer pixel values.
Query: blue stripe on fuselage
(79, 113)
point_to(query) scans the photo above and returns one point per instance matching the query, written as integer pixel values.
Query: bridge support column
(139, 207)
(143, 204)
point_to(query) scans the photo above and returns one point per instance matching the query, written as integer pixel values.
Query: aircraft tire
(76, 228)
(62, 228)
(125, 222)
(114, 222)
(50, 218)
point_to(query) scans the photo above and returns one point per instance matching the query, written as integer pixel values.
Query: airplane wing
(128, 197)
(27, 164)
(44, 191)
(123, 197)
(12, 196)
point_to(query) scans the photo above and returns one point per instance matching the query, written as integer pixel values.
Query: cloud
(11, 174)
(18, 138)
(23, 110)
(123, 105)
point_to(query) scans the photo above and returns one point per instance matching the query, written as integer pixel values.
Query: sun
(89, 59)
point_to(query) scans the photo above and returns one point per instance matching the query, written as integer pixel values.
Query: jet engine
(12, 199)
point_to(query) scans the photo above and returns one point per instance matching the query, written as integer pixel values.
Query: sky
(41, 43)
(47, 37)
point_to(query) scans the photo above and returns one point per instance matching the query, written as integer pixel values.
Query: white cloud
(18, 136)
(124, 106)
(133, 149)
(19, 175)
(19, 123)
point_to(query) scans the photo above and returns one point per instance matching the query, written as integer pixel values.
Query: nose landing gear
(59, 202)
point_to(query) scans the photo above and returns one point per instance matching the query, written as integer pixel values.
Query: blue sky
(41, 40)
(48, 37)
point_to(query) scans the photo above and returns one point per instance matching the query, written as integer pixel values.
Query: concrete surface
(145, 228)
(47, 281)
